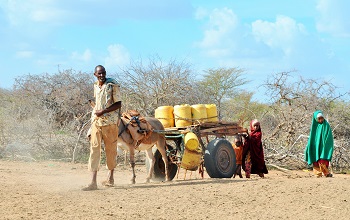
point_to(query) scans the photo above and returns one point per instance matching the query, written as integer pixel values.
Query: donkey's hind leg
(161, 147)
(151, 161)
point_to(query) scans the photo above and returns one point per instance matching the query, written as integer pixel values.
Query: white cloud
(93, 12)
(281, 34)
(86, 56)
(48, 15)
(262, 46)
(20, 13)
(118, 56)
(201, 13)
(334, 17)
(219, 33)
(24, 54)
(31, 19)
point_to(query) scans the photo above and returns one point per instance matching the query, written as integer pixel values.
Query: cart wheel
(220, 159)
(159, 167)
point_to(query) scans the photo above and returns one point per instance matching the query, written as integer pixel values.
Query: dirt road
(52, 190)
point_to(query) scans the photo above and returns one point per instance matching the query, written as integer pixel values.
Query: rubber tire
(220, 159)
(159, 168)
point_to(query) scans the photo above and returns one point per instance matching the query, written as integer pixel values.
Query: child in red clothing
(253, 152)
(238, 147)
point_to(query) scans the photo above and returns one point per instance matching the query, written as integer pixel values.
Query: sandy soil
(52, 190)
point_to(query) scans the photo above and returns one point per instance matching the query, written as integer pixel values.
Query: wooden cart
(218, 158)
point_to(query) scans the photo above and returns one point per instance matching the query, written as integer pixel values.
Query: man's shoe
(90, 187)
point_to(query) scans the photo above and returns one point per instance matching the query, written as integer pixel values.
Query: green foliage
(43, 116)
(242, 109)
(221, 84)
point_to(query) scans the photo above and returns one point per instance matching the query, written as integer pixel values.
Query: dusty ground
(52, 190)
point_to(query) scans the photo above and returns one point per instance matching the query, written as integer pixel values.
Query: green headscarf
(320, 143)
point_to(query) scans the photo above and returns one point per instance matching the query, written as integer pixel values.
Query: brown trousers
(109, 135)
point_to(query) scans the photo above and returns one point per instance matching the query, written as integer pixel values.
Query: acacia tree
(50, 109)
(220, 84)
(293, 100)
(242, 109)
(146, 87)
(64, 94)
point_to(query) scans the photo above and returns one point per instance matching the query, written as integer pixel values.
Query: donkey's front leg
(132, 164)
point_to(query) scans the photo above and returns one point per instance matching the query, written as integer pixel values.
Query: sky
(311, 37)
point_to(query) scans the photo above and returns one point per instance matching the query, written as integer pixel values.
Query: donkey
(157, 139)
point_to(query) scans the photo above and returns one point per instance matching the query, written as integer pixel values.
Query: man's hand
(99, 113)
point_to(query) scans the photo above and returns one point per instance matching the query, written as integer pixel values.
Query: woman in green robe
(319, 149)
